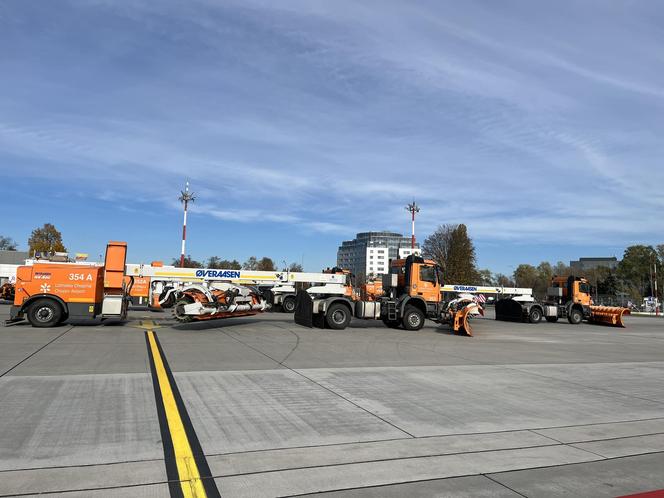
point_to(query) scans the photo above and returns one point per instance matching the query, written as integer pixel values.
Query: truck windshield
(584, 288)
(428, 274)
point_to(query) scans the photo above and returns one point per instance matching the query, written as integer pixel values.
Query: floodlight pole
(412, 208)
(185, 198)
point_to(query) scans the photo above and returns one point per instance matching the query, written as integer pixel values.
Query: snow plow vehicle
(567, 297)
(411, 294)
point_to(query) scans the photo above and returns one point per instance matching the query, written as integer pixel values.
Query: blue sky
(538, 124)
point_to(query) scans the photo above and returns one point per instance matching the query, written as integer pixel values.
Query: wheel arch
(334, 300)
(35, 297)
(417, 302)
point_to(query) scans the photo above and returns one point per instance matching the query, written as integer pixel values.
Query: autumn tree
(294, 267)
(265, 264)
(188, 262)
(250, 264)
(451, 247)
(215, 262)
(46, 239)
(485, 277)
(525, 276)
(636, 267)
(7, 244)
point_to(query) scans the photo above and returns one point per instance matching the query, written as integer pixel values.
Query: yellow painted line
(190, 478)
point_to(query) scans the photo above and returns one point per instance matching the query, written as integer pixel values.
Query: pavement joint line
(322, 386)
(187, 469)
(37, 351)
(78, 490)
(280, 449)
(504, 485)
(470, 475)
(378, 460)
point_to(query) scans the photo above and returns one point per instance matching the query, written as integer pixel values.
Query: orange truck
(410, 294)
(47, 294)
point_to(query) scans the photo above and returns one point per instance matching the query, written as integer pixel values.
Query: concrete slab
(594, 432)
(320, 456)
(254, 410)
(302, 481)
(455, 487)
(636, 445)
(89, 477)
(427, 401)
(642, 380)
(93, 349)
(77, 420)
(604, 479)
(151, 491)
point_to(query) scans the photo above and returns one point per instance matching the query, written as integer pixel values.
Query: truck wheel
(575, 316)
(178, 310)
(337, 316)
(413, 318)
(535, 315)
(288, 306)
(552, 319)
(393, 324)
(44, 313)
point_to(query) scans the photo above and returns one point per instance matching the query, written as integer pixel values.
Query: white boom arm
(478, 289)
(170, 273)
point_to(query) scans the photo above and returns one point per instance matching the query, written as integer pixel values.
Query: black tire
(338, 316)
(178, 312)
(575, 316)
(393, 324)
(288, 306)
(535, 315)
(413, 318)
(552, 319)
(45, 313)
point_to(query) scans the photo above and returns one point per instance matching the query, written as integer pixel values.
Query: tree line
(252, 263)
(453, 249)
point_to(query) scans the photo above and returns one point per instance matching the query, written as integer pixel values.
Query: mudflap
(304, 309)
(509, 310)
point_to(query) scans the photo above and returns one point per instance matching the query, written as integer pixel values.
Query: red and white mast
(412, 208)
(185, 198)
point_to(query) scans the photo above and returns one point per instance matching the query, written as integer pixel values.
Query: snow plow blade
(304, 309)
(460, 320)
(608, 315)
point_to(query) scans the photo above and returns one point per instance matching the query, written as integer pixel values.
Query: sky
(299, 123)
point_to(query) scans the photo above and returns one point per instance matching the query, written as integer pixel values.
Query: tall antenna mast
(412, 208)
(185, 198)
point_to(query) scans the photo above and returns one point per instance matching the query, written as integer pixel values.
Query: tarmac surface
(281, 410)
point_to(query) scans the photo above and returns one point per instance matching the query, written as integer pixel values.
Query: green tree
(504, 280)
(635, 269)
(265, 264)
(217, 263)
(7, 244)
(46, 239)
(544, 274)
(188, 262)
(525, 276)
(485, 277)
(250, 264)
(452, 248)
(295, 267)
(560, 269)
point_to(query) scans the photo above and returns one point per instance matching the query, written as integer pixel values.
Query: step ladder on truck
(48, 293)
